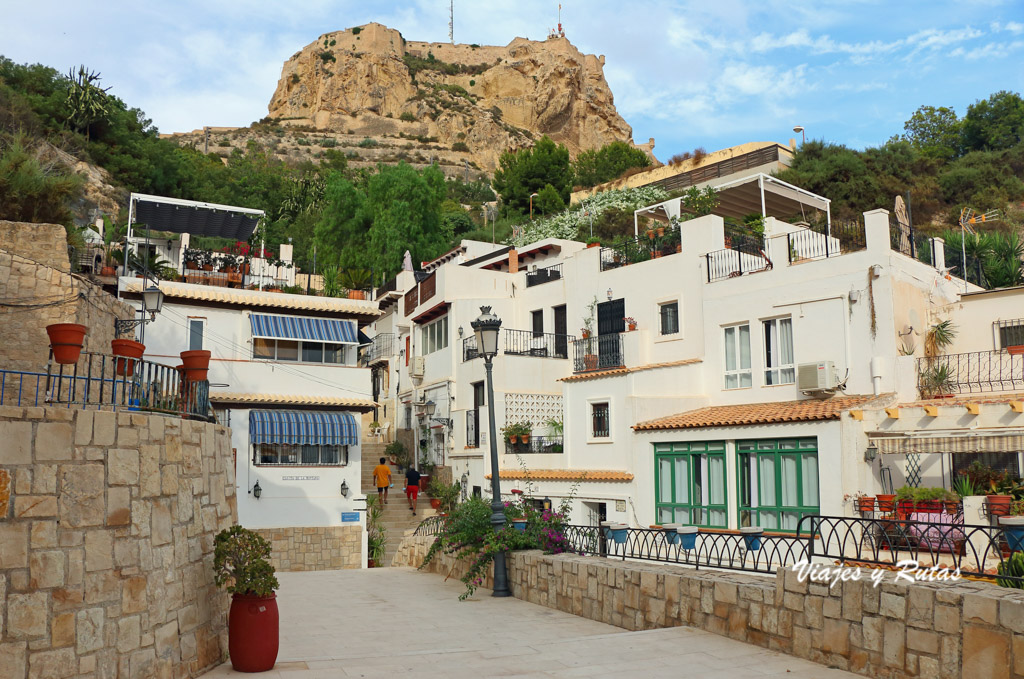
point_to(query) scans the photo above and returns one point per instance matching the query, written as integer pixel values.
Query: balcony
(744, 256)
(901, 237)
(543, 275)
(825, 241)
(598, 353)
(641, 249)
(524, 343)
(968, 373)
(538, 445)
(380, 349)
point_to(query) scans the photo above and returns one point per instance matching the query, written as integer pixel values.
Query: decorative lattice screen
(535, 408)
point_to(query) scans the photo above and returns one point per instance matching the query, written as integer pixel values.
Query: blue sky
(705, 74)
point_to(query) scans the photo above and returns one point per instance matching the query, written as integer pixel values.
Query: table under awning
(337, 331)
(981, 442)
(303, 427)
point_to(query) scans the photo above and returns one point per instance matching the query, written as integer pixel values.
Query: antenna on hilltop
(968, 220)
(557, 32)
(451, 21)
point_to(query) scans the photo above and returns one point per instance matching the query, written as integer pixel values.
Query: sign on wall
(350, 517)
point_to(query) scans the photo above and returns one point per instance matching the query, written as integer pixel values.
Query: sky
(703, 74)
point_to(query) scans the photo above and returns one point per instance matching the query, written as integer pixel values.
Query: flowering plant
(629, 320)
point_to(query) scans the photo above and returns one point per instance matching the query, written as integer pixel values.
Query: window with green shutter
(689, 481)
(778, 482)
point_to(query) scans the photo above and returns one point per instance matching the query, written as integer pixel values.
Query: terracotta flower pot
(593, 245)
(632, 327)
(129, 349)
(108, 271)
(513, 438)
(866, 504)
(66, 340)
(207, 267)
(886, 503)
(525, 438)
(590, 361)
(253, 632)
(435, 503)
(1016, 350)
(661, 231)
(998, 505)
(197, 365)
(356, 294)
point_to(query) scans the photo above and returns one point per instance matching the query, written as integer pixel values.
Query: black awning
(194, 219)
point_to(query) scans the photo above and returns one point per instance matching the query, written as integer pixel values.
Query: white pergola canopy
(757, 194)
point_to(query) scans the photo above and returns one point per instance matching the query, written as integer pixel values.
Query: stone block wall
(34, 271)
(107, 523)
(315, 549)
(962, 630)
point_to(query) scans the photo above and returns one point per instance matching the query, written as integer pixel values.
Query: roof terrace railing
(544, 274)
(744, 256)
(598, 353)
(382, 347)
(822, 242)
(972, 372)
(642, 248)
(901, 237)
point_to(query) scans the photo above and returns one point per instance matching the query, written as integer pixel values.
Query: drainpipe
(877, 373)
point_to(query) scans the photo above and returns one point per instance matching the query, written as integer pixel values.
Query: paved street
(389, 621)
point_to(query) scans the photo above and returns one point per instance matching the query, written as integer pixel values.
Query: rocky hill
(385, 99)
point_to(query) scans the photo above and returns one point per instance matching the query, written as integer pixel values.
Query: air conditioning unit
(416, 366)
(820, 376)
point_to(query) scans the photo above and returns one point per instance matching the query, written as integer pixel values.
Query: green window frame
(690, 484)
(778, 482)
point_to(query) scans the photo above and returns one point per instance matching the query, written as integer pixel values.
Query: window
(294, 350)
(1011, 333)
(778, 482)
(669, 314)
(737, 357)
(537, 318)
(599, 420)
(434, 336)
(689, 483)
(778, 351)
(195, 333)
(304, 454)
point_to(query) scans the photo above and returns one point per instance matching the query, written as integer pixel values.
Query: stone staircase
(397, 518)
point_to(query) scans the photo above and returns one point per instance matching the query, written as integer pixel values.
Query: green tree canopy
(528, 170)
(995, 123)
(597, 166)
(934, 131)
(548, 201)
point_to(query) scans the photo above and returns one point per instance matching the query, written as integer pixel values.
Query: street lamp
(153, 302)
(532, 196)
(803, 137)
(487, 327)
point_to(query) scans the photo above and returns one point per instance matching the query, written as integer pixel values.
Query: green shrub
(460, 146)
(223, 142)
(328, 142)
(295, 78)
(407, 117)
(368, 143)
(326, 56)
(241, 561)
(302, 141)
(472, 83)
(357, 30)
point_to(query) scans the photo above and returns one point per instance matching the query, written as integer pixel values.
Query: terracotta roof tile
(290, 400)
(961, 399)
(808, 410)
(257, 298)
(565, 474)
(596, 374)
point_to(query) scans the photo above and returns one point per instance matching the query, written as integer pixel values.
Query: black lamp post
(486, 328)
(152, 302)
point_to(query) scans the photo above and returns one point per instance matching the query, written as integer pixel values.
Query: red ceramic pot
(253, 632)
(66, 340)
(886, 503)
(197, 365)
(435, 503)
(998, 505)
(866, 504)
(128, 349)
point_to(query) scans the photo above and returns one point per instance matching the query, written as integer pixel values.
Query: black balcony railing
(743, 256)
(901, 237)
(822, 242)
(390, 286)
(529, 343)
(977, 371)
(473, 428)
(102, 381)
(598, 353)
(641, 249)
(537, 445)
(469, 350)
(544, 274)
(381, 348)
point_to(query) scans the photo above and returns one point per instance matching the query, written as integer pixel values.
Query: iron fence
(971, 269)
(104, 381)
(978, 551)
(744, 256)
(641, 249)
(382, 347)
(389, 286)
(529, 343)
(537, 445)
(469, 350)
(598, 353)
(544, 274)
(473, 428)
(973, 372)
(822, 242)
(710, 549)
(430, 526)
(901, 237)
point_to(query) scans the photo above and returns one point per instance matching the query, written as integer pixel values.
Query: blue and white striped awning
(314, 329)
(298, 427)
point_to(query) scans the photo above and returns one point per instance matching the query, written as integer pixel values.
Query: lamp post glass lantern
(487, 327)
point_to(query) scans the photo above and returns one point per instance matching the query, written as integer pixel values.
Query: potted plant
(66, 341)
(752, 537)
(937, 381)
(1013, 526)
(376, 534)
(593, 243)
(687, 536)
(630, 323)
(399, 454)
(1015, 349)
(196, 365)
(525, 431)
(615, 531)
(357, 281)
(865, 503)
(886, 503)
(241, 562)
(131, 350)
(111, 235)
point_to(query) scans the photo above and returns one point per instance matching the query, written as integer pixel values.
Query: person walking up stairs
(396, 519)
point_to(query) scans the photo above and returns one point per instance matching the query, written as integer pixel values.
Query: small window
(538, 323)
(287, 350)
(305, 454)
(737, 357)
(599, 420)
(669, 314)
(1011, 333)
(334, 353)
(778, 352)
(263, 348)
(196, 326)
(312, 352)
(434, 336)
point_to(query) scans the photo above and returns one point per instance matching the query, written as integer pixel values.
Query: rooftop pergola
(174, 215)
(757, 194)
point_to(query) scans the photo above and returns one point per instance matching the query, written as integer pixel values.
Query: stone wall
(34, 271)
(107, 523)
(956, 630)
(315, 549)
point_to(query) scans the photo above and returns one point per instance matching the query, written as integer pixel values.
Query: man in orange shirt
(382, 477)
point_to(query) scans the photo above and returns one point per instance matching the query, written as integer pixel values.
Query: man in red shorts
(412, 488)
